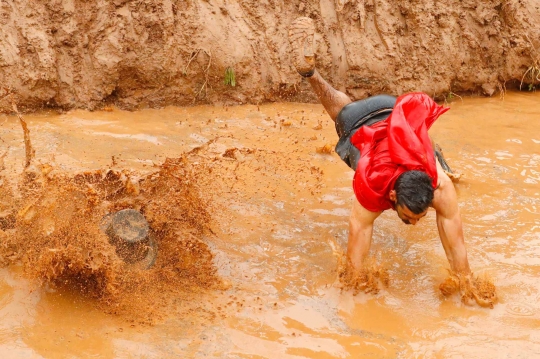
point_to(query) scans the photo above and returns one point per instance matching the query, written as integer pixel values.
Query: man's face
(407, 216)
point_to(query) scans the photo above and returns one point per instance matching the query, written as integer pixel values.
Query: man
(385, 141)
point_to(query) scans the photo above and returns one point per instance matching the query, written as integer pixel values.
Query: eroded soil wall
(150, 53)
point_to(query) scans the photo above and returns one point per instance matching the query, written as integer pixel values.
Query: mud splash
(281, 220)
(369, 279)
(50, 223)
(479, 289)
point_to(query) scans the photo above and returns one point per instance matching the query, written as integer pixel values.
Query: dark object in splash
(130, 233)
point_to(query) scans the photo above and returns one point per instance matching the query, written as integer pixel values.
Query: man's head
(412, 195)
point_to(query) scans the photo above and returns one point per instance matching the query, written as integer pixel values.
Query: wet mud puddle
(250, 215)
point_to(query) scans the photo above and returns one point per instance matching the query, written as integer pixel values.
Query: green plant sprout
(230, 77)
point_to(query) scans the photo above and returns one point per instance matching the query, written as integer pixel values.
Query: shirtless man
(397, 169)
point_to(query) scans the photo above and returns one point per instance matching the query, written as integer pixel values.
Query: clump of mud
(49, 222)
(369, 279)
(479, 289)
(326, 149)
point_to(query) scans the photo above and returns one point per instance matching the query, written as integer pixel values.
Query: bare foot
(454, 176)
(301, 34)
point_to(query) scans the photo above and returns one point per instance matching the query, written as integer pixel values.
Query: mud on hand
(368, 279)
(472, 289)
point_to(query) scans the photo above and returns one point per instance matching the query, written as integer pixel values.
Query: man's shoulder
(443, 191)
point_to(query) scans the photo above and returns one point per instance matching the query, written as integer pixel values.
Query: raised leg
(332, 99)
(301, 39)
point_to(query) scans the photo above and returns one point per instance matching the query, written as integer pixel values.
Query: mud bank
(150, 53)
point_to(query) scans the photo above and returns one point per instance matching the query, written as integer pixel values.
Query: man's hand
(360, 232)
(449, 224)
(478, 289)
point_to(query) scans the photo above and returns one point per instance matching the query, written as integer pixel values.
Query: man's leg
(454, 176)
(332, 99)
(301, 34)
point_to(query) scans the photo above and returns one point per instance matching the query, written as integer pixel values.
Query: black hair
(414, 190)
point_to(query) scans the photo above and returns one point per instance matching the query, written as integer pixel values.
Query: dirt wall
(149, 53)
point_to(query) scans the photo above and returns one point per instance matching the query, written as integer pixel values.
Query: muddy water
(281, 226)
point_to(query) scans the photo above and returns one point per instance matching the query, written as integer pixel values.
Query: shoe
(301, 36)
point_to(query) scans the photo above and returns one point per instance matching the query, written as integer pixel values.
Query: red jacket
(390, 147)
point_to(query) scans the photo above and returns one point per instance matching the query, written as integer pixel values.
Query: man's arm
(360, 232)
(449, 223)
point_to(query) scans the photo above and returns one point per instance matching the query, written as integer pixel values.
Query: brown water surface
(280, 229)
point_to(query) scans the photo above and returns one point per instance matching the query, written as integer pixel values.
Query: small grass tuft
(450, 97)
(230, 77)
(533, 77)
(532, 74)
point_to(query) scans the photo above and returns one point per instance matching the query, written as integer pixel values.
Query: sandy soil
(150, 53)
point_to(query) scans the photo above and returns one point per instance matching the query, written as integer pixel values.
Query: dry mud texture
(151, 53)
